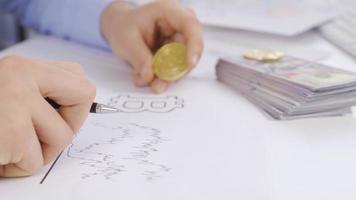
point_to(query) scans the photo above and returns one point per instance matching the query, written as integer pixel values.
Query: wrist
(113, 11)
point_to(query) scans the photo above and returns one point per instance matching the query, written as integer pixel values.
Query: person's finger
(67, 88)
(178, 38)
(53, 132)
(23, 154)
(193, 34)
(138, 55)
(137, 79)
(189, 26)
(73, 67)
(75, 115)
(160, 86)
(30, 161)
(75, 94)
(191, 11)
(165, 29)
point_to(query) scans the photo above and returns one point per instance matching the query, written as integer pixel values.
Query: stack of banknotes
(290, 88)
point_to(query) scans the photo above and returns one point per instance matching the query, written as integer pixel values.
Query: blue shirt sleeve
(77, 20)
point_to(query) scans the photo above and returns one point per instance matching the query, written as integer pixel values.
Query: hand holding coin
(135, 34)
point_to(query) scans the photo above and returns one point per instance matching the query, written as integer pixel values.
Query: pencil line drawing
(50, 169)
(153, 104)
(126, 150)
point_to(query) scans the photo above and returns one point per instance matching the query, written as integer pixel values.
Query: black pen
(95, 107)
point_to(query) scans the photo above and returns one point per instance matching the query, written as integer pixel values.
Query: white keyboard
(342, 31)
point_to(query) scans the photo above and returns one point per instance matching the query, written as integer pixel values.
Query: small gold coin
(264, 55)
(170, 62)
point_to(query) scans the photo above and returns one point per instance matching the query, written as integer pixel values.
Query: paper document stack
(291, 88)
(281, 17)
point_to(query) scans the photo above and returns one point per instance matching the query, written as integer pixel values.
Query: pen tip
(100, 108)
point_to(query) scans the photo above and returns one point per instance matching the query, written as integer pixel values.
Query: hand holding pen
(32, 133)
(95, 107)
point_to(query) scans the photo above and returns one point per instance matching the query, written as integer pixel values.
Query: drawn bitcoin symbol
(130, 104)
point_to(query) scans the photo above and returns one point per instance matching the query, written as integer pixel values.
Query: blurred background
(10, 31)
(277, 18)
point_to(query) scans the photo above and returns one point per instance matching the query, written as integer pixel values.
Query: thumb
(138, 55)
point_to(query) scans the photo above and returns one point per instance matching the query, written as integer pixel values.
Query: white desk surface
(305, 159)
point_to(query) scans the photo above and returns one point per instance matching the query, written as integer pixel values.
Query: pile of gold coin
(170, 62)
(264, 55)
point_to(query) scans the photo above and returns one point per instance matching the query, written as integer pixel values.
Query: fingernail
(139, 81)
(195, 60)
(160, 86)
(143, 71)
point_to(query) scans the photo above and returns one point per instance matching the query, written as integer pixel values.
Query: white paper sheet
(173, 146)
(207, 143)
(280, 17)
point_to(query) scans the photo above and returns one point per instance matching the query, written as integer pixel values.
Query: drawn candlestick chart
(105, 150)
(127, 146)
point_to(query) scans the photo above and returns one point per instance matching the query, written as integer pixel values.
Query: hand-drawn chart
(153, 104)
(106, 151)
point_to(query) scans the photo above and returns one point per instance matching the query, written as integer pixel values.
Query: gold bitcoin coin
(264, 55)
(170, 62)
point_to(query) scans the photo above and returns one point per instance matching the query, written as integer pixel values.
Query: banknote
(306, 74)
(290, 88)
